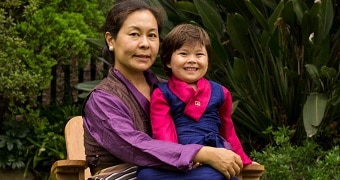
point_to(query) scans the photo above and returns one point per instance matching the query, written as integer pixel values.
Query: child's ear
(168, 65)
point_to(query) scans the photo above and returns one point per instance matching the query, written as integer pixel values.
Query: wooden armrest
(68, 169)
(251, 172)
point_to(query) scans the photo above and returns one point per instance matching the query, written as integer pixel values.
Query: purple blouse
(109, 121)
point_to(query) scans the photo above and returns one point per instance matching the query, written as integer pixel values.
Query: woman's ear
(109, 39)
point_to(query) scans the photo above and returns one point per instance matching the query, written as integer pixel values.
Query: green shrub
(13, 144)
(283, 160)
(37, 142)
(20, 78)
(47, 141)
(36, 35)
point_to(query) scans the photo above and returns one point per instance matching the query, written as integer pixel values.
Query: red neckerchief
(196, 101)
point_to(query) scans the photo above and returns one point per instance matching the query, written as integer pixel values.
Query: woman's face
(189, 63)
(137, 43)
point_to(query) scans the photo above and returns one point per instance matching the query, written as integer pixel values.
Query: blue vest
(205, 131)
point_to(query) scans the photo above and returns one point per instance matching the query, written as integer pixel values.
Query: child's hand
(196, 165)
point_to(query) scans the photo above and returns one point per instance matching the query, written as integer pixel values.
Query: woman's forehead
(141, 19)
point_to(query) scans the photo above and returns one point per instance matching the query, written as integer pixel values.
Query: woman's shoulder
(100, 96)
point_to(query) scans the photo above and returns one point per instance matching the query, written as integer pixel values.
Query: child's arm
(163, 127)
(228, 130)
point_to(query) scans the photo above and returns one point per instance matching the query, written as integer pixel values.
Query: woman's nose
(144, 42)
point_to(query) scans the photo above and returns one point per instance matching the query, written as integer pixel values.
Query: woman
(116, 113)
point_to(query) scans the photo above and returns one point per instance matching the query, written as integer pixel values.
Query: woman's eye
(133, 34)
(153, 35)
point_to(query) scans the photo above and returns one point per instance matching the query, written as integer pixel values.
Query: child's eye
(182, 53)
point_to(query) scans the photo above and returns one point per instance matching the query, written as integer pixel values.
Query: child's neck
(193, 85)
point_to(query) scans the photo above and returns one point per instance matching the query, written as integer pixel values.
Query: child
(189, 109)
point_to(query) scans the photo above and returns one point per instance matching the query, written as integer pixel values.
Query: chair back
(74, 137)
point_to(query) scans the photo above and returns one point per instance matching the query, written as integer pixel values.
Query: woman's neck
(138, 80)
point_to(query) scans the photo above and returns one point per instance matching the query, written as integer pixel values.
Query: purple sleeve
(110, 123)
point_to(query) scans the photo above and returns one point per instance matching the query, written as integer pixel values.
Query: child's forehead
(194, 44)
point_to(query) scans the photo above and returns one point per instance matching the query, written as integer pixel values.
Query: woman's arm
(109, 122)
(228, 130)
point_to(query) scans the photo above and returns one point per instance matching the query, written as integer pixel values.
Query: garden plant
(35, 37)
(279, 58)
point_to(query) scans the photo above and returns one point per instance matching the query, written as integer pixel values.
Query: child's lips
(190, 68)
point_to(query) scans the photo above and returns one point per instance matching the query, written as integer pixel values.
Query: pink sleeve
(228, 130)
(163, 127)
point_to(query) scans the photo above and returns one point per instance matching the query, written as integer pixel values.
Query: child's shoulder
(216, 84)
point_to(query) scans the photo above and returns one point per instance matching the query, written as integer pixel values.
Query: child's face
(189, 63)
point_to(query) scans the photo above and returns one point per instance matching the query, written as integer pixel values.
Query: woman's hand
(196, 165)
(221, 159)
(254, 162)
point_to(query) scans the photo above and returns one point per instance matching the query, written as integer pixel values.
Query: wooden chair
(75, 166)
(251, 172)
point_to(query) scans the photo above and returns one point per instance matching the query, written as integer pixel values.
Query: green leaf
(238, 32)
(3, 140)
(240, 70)
(313, 112)
(328, 72)
(211, 19)
(186, 6)
(275, 15)
(270, 3)
(327, 16)
(315, 9)
(9, 145)
(174, 15)
(18, 165)
(98, 43)
(257, 15)
(235, 104)
(288, 13)
(307, 29)
(87, 86)
(313, 73)
(274, 21)
(299, 8)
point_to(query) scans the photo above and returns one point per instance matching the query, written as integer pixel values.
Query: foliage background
(279, 58)
(35, 37)
(281, 61)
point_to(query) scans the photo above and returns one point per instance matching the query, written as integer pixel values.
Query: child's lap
(202, 172)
